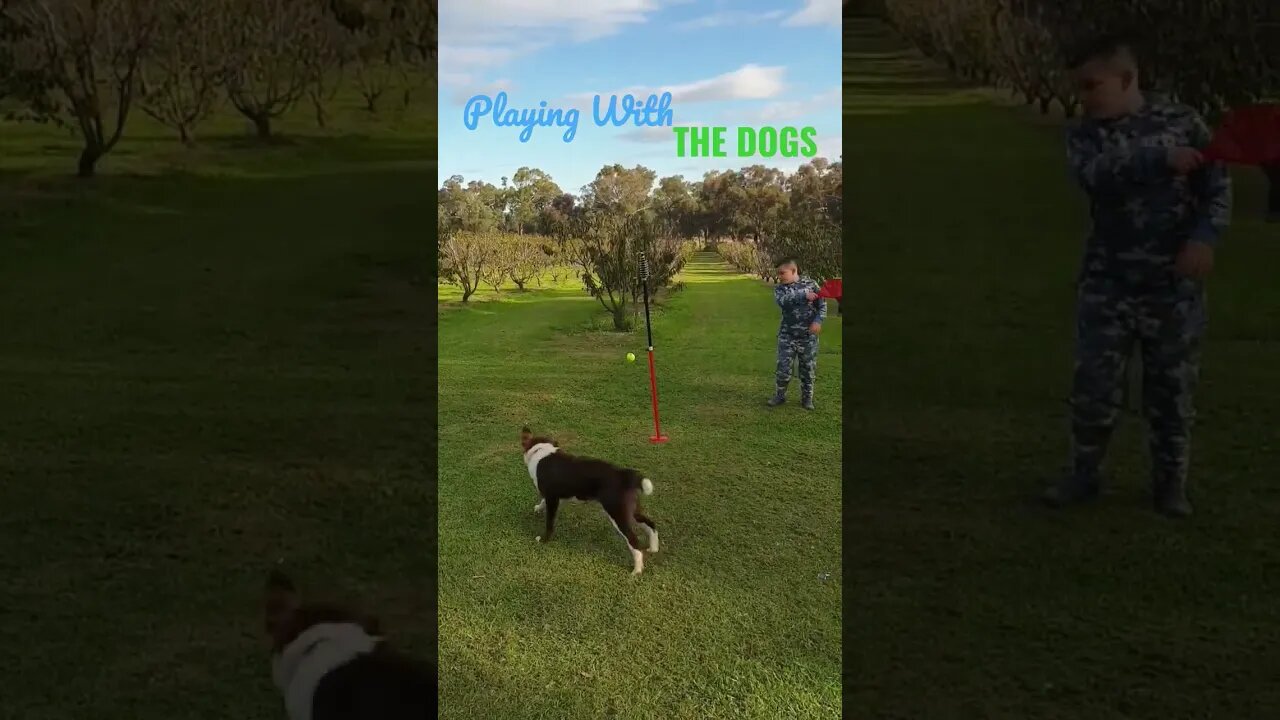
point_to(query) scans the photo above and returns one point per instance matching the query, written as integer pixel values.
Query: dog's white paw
(537, 538)
(539, 507)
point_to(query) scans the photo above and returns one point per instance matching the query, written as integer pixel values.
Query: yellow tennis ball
(631, 357)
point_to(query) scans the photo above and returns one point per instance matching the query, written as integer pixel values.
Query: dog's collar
(321, 648)
(534, 455)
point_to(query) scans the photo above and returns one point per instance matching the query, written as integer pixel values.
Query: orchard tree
(79, 60)
(183, 74)
(527, 259)
(273, 56)
(327, 64)
(376, 53)
(465, 257)
(610, 243)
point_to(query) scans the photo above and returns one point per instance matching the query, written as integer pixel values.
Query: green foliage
(1237, 66)
(86, 64)
(530, 200)
(753, 216)
(1023, 44)
(465, 257)
(746, 257)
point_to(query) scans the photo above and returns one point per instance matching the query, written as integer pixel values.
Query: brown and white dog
(331, 664)
(560, 476)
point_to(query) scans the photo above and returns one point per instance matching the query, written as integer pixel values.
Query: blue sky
(743, 63)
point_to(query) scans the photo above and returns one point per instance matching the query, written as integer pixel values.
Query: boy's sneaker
(807, 402)
(778, 398)
(1071, 491)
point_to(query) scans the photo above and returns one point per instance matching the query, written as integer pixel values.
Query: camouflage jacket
(797, 312)
(1142, 210)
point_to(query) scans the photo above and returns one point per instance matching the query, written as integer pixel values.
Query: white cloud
(783, 110)
(455, 78)
(462, 94)
(663, 134)
(830, 147)
(580, 20)
(817, 12)
(457, 58)
(481, 35)
(726, 18)
(749, 82)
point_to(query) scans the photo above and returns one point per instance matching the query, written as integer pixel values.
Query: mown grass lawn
(968, 600)
(210, 359)
(738, 615)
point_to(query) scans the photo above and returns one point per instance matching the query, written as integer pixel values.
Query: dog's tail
(636, 481)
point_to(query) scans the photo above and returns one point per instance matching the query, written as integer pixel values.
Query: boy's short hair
(787, 262)
(1104, 47)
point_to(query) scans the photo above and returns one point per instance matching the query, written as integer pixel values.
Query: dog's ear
(525, 437)
(281, 602)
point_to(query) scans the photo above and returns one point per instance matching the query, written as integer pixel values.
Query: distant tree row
(88, 63)
(530, 222)
(1210, 54)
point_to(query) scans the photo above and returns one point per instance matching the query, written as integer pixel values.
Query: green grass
(738, 615)
(210, 359)
(969, 601)
(564, 281)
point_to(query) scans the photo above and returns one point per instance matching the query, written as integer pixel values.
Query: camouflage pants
(1167, 326)
(805, 348)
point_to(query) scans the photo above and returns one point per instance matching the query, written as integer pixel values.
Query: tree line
(1209, 54)
(527, 226)
(88, 64)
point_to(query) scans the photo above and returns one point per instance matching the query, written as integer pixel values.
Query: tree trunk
(262, 125)
(320, 116)
(89, 156)
(621, 322)
(184, 134)
(467, 292)
(1273, 192)
(1046, 103)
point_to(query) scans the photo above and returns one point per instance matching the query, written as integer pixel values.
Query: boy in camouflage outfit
(1158, 209)
(802, 315)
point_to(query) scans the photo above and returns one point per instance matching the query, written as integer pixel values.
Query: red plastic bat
(831, 289)
(1248, 135)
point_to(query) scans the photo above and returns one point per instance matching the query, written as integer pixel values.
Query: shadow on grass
(203, 373)
(976, 236)
(54, 162)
